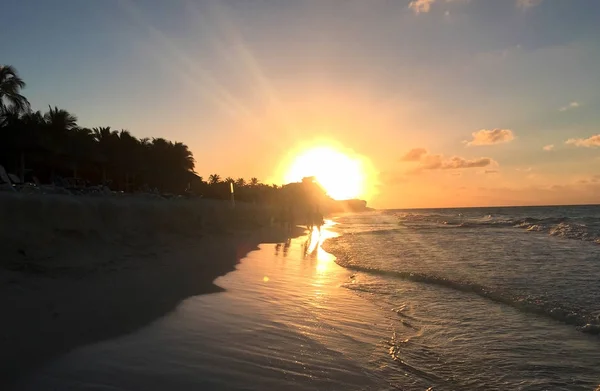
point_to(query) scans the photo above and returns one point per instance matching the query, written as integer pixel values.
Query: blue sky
(253, 78)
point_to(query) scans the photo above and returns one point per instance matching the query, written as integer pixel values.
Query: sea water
(448, 299)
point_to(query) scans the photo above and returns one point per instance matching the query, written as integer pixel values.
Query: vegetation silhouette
(50, 147)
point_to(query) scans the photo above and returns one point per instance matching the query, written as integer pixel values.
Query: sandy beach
(292, 316)
(283, 321)
(77, 270)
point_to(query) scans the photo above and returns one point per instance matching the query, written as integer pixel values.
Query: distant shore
(75, 271)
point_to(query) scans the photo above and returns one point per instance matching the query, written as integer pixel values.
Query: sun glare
(341, 176)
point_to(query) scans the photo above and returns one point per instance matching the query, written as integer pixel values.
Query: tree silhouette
(18, 134)
(10, 90)
(106, 141)
(79, 148)
(58, 124)
(52, 145)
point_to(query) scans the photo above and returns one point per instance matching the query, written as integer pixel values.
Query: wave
(584, 320)
(376, 232)
(582, 228)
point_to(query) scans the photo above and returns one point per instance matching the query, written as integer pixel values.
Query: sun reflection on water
(313, 249)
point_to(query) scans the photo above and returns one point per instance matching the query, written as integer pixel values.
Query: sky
(448, 102)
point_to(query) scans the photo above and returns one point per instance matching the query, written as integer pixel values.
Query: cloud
(594, 179)
(572, 105)
(456, 162)
(419, 6)
(491, 137)
(491, 172)
(525, 4)
(424, 6)
(439, 162)
(549, 147)
(593, 141)
(414, 155)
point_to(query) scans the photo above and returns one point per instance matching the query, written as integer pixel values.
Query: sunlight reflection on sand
(284, 321)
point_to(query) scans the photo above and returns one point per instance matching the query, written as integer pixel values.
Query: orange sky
(449, 103)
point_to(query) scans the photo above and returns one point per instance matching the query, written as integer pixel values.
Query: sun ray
(190, 70)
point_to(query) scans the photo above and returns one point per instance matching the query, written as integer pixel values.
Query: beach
(77, 270)
(281, 322)
(383, 300)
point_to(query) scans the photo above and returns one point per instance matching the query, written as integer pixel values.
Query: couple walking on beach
(312, 218)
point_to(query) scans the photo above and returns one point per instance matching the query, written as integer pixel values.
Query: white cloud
(549, 147)
(593, 141)
(525, 4)
(491, 137)
(572, 105)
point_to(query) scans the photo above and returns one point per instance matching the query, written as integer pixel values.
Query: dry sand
(77, 270)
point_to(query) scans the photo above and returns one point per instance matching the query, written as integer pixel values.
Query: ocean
(437, 299)
(486, 298)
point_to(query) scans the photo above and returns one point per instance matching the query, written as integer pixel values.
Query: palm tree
(12, 135)
(10, 87)
(32, 135)
(80, 148)
(183, 156)
(60, 120)
(213, 179)
(106, 141)
(102, 133)
(58, 124)
(240, 182)
(126, 159)
(170, 164)
(254, 181)
(229, 180)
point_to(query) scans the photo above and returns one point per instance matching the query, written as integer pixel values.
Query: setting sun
(341, 176)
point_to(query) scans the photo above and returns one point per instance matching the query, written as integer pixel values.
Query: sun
(341, 176)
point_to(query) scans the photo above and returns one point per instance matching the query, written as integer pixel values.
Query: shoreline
(297, 329)
(51, 307)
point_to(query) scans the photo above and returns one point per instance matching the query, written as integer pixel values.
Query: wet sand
(74, 288)
(284, 322)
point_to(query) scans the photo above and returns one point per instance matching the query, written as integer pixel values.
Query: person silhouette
(318, 219)
(309, 220)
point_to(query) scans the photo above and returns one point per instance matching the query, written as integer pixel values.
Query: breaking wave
(579, 228)
(585, 321)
